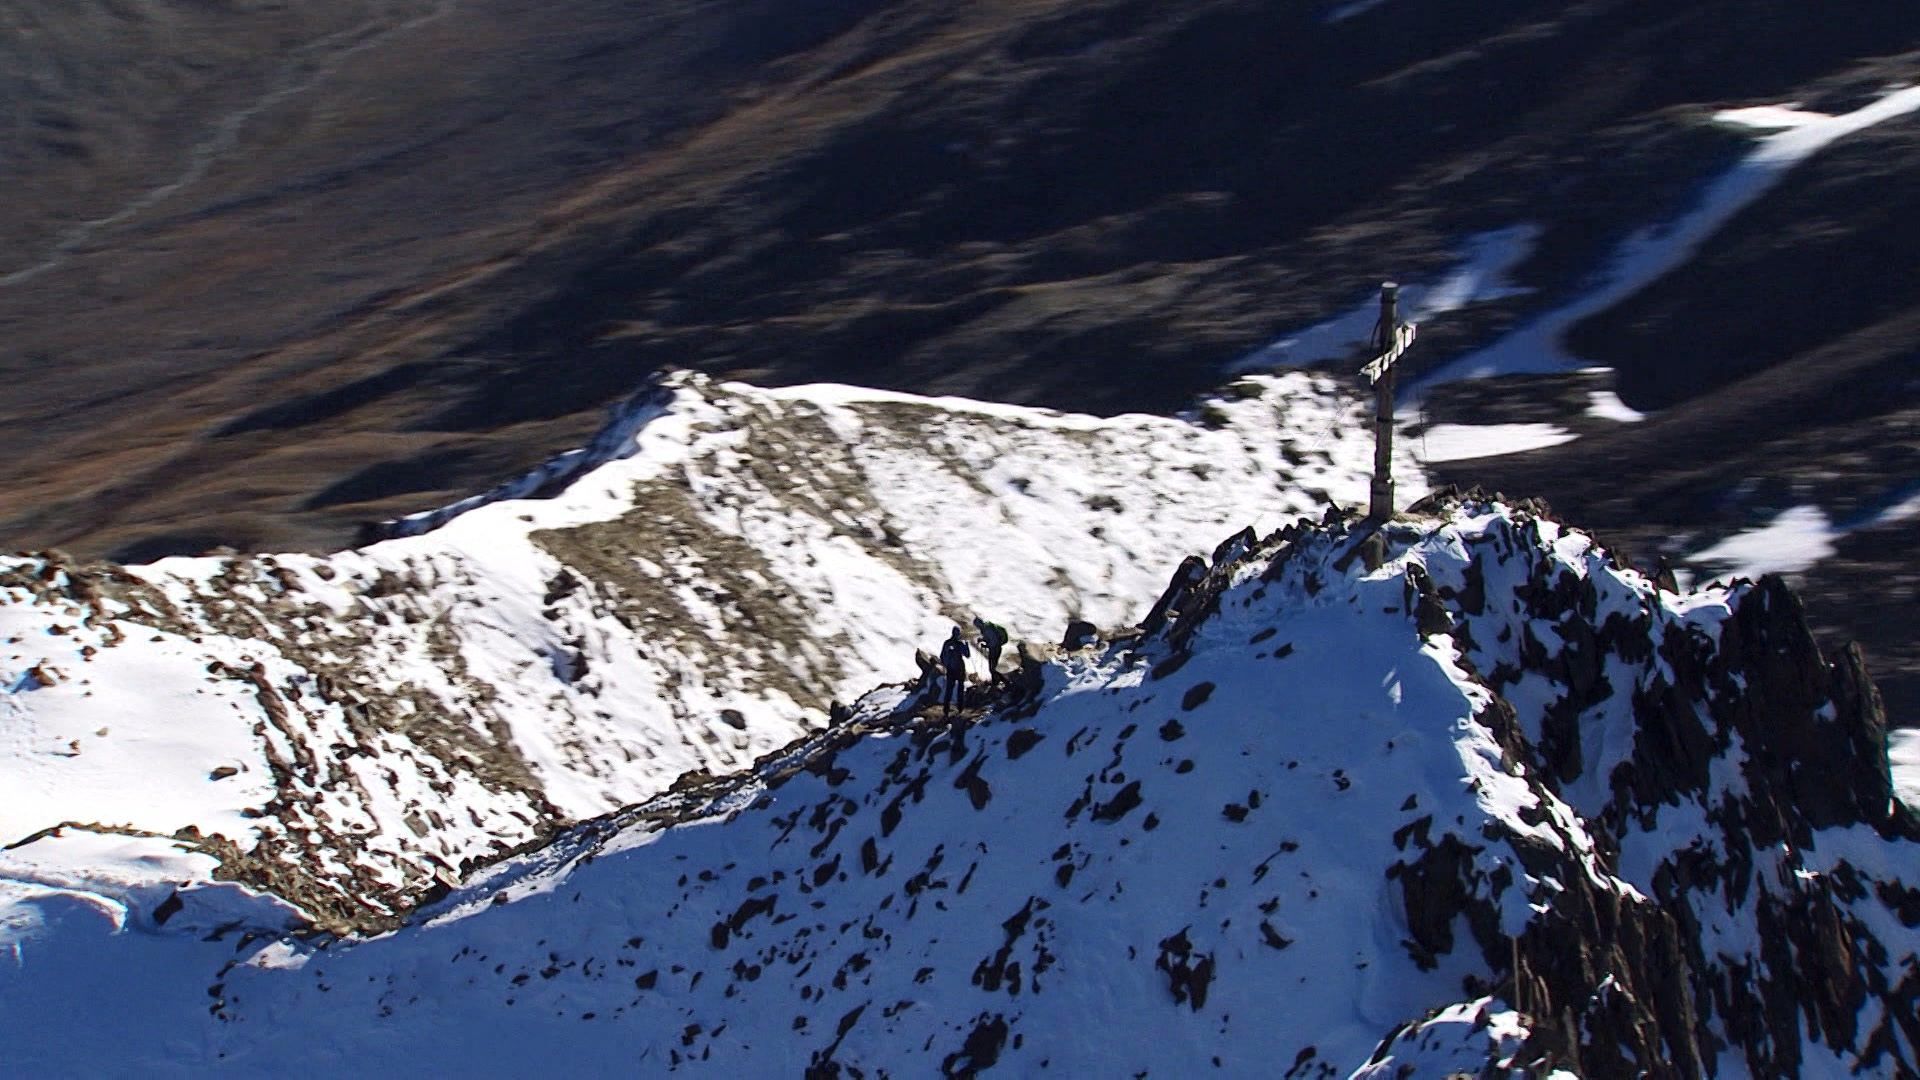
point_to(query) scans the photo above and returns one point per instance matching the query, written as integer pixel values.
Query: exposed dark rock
(1117, 807)
(1196, 696)
(981, 1050)
(1615, 985)
(1189, 972)
(1079, 635)
(167, 909)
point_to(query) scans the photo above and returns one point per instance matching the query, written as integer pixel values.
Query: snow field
(735, 560)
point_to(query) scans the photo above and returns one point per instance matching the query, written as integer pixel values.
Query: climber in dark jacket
(953, 657)
(993, 638)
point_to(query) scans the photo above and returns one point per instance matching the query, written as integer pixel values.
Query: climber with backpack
(993, 638)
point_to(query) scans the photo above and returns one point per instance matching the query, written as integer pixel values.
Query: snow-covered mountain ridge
(353, 730)
(1466, 796)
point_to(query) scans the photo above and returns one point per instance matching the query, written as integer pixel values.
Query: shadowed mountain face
(1494, 807)
(268, 275)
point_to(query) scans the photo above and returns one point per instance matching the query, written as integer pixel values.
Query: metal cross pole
(1392, 339)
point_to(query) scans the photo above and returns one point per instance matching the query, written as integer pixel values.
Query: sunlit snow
(1456, 442)
(1796, 539)
(1790, 543)
(726, 562)
(1903, 754)
(1606, 405)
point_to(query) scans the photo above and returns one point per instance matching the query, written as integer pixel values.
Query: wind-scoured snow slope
(1495, 804)
(1651, 253)
(353, 730)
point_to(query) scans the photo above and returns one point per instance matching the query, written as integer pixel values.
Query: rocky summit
(1457, 794)
(491, 482)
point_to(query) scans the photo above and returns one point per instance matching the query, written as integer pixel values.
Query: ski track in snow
(224, 136)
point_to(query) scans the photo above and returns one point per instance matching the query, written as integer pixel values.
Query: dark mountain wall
(465, 225)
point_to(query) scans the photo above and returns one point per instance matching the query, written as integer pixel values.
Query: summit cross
(1391, 337)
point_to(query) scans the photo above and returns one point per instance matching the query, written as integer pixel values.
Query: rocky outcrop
(1733, 715)
(1711, 750)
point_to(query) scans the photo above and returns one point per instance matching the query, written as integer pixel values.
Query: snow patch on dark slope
(1495, 803)
(1653, 252)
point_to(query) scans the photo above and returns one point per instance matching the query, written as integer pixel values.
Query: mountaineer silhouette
(1030, 679)
(993, 638)
(953, 657)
